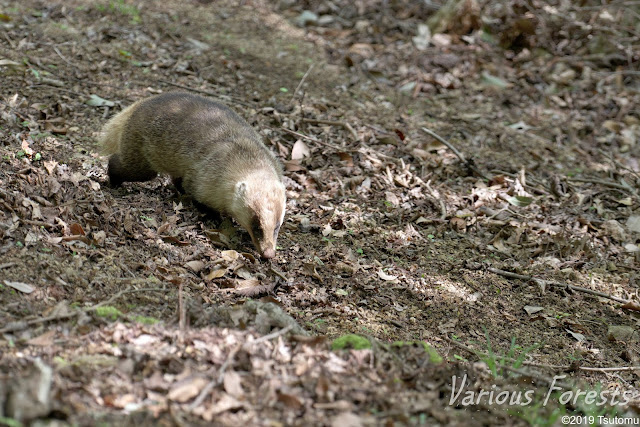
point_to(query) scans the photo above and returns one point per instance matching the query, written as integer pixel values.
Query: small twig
(542, 365)
(37, 223)
(11, 43)
(121, 293)
(612, 4)
(611, 73)
(363, 150)
(481, 354)
(304, 77)
(269, 336)
(544, 283)
(273, 270)
(447, 143)
(214, 383)
(377, 129)
(7, 265)
(540, 377)
(230, 357)
(310, 138)
(611, 369)
(204, 393)
(455, 151)
(628, 267)
(617, 164)
(63, 58)
(182, 318)
(539, 187)
(345, 125)
(352, 131)
(35, 62)
(602, 182)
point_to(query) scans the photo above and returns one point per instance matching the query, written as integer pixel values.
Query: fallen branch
(611, 369)
(564, 368)
(543, 283)
(17, 326)
(482, 355)
(468, 163)
(610, 184)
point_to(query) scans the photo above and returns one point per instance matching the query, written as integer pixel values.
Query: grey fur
(219, 158)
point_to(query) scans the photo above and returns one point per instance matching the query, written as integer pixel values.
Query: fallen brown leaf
(290, 400)
(187, 389)
(43, 340)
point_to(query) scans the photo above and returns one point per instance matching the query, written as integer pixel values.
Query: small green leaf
(284, 90)
(10, 422)
(494, 81)
(520, 201)
(96, 101)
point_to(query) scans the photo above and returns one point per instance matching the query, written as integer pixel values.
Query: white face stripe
(259, 198)
(284, 203)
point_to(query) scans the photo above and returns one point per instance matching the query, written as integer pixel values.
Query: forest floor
(396, 272)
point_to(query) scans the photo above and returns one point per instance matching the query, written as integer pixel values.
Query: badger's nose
(269, 253)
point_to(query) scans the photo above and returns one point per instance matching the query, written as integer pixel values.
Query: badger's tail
(111, 135)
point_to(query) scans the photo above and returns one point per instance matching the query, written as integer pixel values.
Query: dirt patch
(130, 305)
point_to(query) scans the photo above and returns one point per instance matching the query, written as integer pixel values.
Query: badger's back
(181, 130)
(191, 137)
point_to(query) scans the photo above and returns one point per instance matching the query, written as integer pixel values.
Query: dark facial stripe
(256, 228)
(278, 212)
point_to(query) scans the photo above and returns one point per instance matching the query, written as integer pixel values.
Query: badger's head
(258, 205)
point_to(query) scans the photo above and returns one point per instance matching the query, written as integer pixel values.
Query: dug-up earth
(409, 278)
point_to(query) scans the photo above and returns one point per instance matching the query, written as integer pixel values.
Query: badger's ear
(241, 190)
